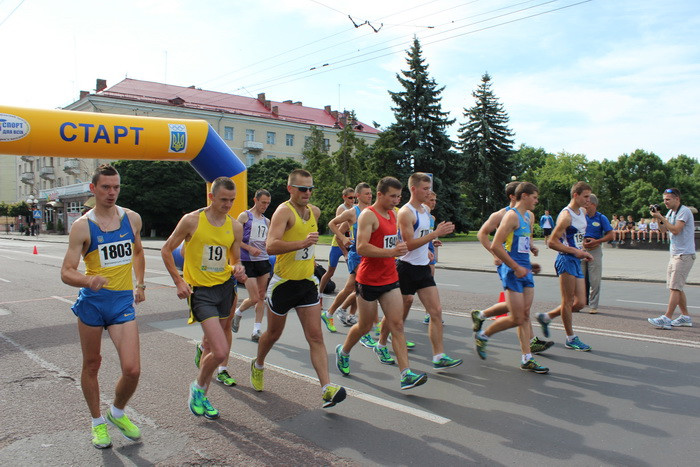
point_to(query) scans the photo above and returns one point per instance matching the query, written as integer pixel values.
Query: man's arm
(138, 258)
(487, 227)
(234, 253)
(406, 220)
(184, 229)
(338, 222)
(77, 240)
(508, 224)
(280, 222)
(555, 243)
(242, 219)
(366, 224)
(665, 225)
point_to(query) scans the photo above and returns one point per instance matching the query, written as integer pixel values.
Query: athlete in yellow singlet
(292, 237)
(108, 238)
(211, 267)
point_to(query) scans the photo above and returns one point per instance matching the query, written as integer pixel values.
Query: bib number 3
(305, 253)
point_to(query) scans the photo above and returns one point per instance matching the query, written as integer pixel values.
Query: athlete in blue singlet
(108, 239)
(567, 238)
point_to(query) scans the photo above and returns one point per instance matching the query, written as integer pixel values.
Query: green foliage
(271, 174)
(685, 175)
(49, 225)
(555, 179)
(4, 209)
(59, 226)
(160, 191)
(19, 209)
(487, 146)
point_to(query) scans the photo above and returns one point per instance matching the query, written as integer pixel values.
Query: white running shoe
(662, 322)
(682, 320)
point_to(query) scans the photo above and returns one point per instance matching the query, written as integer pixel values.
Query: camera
(654, 207)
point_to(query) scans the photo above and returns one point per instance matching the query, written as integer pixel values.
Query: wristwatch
(141, 286)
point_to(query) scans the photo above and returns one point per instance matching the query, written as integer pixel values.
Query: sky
(599, 77)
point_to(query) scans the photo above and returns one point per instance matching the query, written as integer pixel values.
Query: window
(250, 135)
(326, 144)
(270, 156)
(289, 140)
(271, 137)
(249, 160)
(228, 133)
(59, 181)
(74, 206)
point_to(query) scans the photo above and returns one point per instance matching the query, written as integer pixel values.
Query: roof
(194, 98)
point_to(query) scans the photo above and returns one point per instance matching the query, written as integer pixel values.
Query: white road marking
(61, 373)
(64, 300)
(652, 303)
(431, 417)
(4, 280)
(447, 285)
(632, 336)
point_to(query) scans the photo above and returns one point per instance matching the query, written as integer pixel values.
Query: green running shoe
(377, 330)
(383, 355)
(477, 320)
(128, 429)
(410, 345)
(480, 346)
(256, 377)
(224, 378)
(333, 395)
(447, 362)
(532, 365)
(200, 405)
(411, 380)
(342, 361)
(576, 344)
(100, 436)
(197, 355)
(367, 341)
(426, 319)
(537, 345)
(328, 321)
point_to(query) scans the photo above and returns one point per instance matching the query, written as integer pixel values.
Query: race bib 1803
(115, 253)
(214, 258)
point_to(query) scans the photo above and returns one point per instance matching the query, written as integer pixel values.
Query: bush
(49, 225)
(59, 226)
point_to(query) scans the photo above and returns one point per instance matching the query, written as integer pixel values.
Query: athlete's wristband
(141, 286)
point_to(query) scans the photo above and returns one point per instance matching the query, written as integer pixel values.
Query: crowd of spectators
(645, 230)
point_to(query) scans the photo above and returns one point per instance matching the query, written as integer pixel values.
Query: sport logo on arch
(178, 137)
(12, 127)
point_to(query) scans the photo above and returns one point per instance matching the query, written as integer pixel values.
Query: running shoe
(480, 346)
(532, 365)
(100, 436)
(410, 345)
(333, 395)
(477, 320)
(255, 337)
(447, 362)
(367, 341)
(426, 319)
(236, 323)
(342, 361)
(197, 355)
(224, 378)
(576, 344)
(199, 404)
(411, 380)
(538, 345)
(256, 377)
(383, 355)
(662, 322)
(377, 330)
(351, 320)
(128, 429)
(328, 321)
(593, 311)
(682, 320)
(545, 324)
(342, 316)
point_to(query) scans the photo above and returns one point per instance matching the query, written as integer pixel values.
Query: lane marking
(448, 285)
(425, 415)
(4, 280)
(61, 373)
(632, 336)
(652, 303)
(64, 300)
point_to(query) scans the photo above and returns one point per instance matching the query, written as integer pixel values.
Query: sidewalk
(618, 264)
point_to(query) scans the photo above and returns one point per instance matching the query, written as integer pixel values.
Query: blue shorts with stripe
(568, 264)
(510, 282)
(353, 261)
(104, 307)
(334, 256)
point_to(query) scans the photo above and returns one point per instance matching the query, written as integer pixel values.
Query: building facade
(254, 128)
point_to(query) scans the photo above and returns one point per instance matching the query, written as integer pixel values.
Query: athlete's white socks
(405, 371)
(258, 367)
(544, 317)
(436, 358)
(570, 338)
(201, 388)
(481, 315)
(116, 413)
(483, 336)
(238, 312)
(343, 353)
(98, 421)
(256, 326)
(221, 368)
(526, 357)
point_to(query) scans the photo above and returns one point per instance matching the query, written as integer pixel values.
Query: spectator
(598, 231)
(547, 224)
(654, 230)
(680, 224)
(621, 230)
(642, 230)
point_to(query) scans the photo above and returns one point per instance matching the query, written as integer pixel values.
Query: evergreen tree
(420, 131)
(486, 143)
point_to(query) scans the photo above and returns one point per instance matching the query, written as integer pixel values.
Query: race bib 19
(578, 240)
(115, 253)
(390, 241)
(214, 258)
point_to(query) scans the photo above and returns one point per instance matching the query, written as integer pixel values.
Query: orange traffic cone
(501, 299)
(35, 252)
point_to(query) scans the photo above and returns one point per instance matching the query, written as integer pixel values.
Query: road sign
(37, 214)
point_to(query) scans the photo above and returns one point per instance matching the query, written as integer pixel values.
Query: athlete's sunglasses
(304, 189)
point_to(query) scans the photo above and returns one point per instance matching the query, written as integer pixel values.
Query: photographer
(680, 225)
(598, 231)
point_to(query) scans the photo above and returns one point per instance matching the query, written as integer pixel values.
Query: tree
(271, 174)
(487, 146)
(420, 131)
(527, 161)
(685, 175)
(160, 191)
(556, 177)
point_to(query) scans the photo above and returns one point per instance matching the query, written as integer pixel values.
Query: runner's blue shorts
(353, 261)
(334, 256)
(568, 264)
(104, 307)
(513, 283)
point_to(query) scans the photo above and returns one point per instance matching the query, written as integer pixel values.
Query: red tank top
(380, 271)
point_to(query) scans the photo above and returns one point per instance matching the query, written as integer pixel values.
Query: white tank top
(421, 228)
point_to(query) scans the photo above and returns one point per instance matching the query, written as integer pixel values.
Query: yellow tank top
(110, 253)
(206, 254)
(299, 264)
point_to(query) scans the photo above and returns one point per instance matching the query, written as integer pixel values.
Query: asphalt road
(633, 400)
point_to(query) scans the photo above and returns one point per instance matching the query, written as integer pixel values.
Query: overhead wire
(11, 13)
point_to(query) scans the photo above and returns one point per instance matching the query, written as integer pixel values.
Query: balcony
(27, 178)
(47, 173)
(252, 146)
(71, 166)
(28, 158)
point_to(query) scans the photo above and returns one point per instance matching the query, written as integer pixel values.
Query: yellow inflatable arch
(63, 133)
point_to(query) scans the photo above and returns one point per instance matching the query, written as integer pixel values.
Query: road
(633, 400)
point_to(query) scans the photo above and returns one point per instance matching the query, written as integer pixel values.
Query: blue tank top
(354, 229)
(575, 233)
(517, 242)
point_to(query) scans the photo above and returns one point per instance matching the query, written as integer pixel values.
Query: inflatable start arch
(63, 133)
